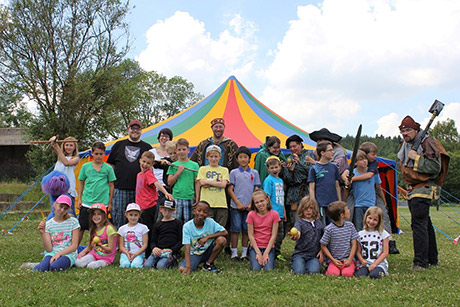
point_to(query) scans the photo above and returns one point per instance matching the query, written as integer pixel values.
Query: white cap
(133, 206)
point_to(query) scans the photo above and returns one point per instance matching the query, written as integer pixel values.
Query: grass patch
(236, 285)
(16, 187)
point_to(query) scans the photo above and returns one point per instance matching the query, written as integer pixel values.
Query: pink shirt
(146, 192)
(263, 225)
(100, 254)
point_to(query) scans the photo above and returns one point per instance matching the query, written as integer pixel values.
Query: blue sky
(329, 63)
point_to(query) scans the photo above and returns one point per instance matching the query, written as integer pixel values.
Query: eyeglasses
(332, 149)
(135, 128)
(406, 130)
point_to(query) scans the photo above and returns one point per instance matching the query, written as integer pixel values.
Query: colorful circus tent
(247, 122)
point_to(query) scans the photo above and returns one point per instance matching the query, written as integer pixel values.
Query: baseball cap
(133, 206)
(169, 204)
(64, 199)
(99, 206)
(135, 122)
(213, 148)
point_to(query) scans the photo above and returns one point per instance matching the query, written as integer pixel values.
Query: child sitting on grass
(166, 239)
(60, 236)
(262, 231)
(307, 255)
(132, 239)
(373, 248)
(204, 239)
(339, 242)
(102, 245)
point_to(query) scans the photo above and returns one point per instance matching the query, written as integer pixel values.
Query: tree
(447, 134)
(12, 112)
(57, 52)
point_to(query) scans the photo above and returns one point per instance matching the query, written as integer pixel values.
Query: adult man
(227, 145)
(124, 158)
(422, 171)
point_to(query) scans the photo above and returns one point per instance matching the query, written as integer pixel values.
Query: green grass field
(236, 285)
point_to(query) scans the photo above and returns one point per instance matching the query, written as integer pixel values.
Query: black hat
(325, 134)
(243, 149)
(168, 204)
(293, 138)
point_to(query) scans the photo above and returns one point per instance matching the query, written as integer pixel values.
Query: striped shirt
(61, 236)
(338, 239)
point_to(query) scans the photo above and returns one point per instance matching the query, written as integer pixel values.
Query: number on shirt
(370, 250)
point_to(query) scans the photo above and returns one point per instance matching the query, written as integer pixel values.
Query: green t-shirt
(96, 189)
(184, 188)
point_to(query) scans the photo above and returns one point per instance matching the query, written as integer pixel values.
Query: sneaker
(210, 268)
(245, 258)
(281, 258)
(236, 259)
(393, 249)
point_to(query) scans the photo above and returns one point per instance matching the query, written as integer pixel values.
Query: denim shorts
(238, 221)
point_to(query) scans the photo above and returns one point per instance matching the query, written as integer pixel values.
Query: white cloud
(388, 125)
(181, 45)
(349, 54)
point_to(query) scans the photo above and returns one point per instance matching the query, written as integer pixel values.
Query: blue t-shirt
(364, 190)
(243, 182)
(191, 235)
(324, 176)
(275, 188)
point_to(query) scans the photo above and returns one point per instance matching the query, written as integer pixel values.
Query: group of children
(195, 215)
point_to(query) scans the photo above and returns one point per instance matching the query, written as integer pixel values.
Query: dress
(104, 234)
(70, 173)
(423, 187)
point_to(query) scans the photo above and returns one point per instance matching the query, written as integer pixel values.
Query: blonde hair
(379, 212)
(305, 203)
(70, 139)
(171, 145)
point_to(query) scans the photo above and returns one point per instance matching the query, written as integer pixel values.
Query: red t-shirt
(146, 192)
(263, 225)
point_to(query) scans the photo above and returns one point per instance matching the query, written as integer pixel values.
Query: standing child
(67, 159)
(363, 190)
(307, 255)
(102, 245)
(204, 239)
(371, 151)
(210, 185)
(373, 247)
(96, 180)
(60, 238)
(243, 181)
(133, 238)
(262, 231)
(166, 239)
(181, 175)
(274, 187)
(339, 242)
(323, 179)
(146, 192)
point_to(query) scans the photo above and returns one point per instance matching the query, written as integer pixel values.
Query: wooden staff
(46, 142)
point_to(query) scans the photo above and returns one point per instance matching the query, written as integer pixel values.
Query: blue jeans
(358, 217)
(160, 263)
(375, 273)
(324, 218)
(136, 263)
(301, 266)
(61, 264)
(255, 266)
(195, 260)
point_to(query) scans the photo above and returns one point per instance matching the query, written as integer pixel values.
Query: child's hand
(260, 259)
(169, 196)
(184, 270)
(55, 257)
(240, 206)
(296, 237)
(372, 267)
(131, 257)
(320, 257)
(41, 227)
(81, 254)
(79, 204)
(337, 263)
(180, 169)
(109, 207)
(363, 262)
(165, 162)
(202, 241)
(156, 252)
(52, 140)
(347, 262)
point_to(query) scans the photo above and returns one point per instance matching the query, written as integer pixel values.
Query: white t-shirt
(132, 236)
(158, 172)
(372, 247)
